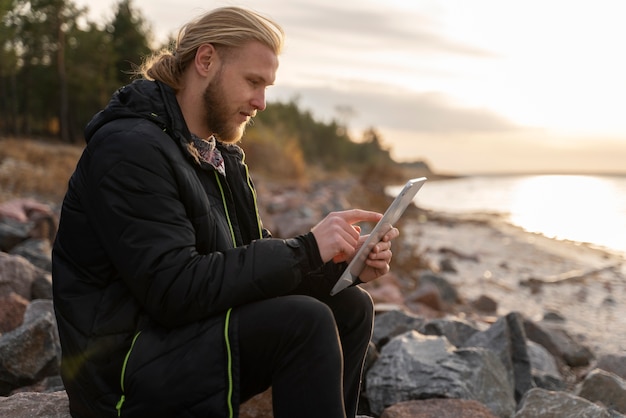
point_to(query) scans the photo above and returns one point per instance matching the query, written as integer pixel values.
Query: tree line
(58, 68)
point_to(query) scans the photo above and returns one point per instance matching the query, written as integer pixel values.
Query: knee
(310, 316)
(355, 309)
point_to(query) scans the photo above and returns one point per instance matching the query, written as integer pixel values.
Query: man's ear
(205, 57)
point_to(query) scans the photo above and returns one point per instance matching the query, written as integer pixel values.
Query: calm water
(580, 208)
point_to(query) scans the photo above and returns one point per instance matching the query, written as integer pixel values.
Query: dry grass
(37, 169)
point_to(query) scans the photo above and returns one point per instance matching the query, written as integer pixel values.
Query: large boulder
(413, 366)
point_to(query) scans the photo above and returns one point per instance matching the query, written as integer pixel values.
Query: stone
(42, 287)
(392, 323)
(28, 354)
(548, 404)
(614, 363)
(13, 232)
(438, 408)
(428, 295)
(608, 389)
(40, 308)
(17, 275)
(558, 342)
(544, 368)
(35, 405)
(35, 250)
(12, 308)
(456, 330)
(447, 291)
(485, 304)
(259, 406)
(506, 338)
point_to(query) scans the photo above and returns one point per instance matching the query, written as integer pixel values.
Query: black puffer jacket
(152, 257)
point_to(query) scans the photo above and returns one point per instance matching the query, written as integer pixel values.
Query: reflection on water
(574, 207)
(578, 208)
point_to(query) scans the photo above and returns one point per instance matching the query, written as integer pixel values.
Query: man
(171, 299)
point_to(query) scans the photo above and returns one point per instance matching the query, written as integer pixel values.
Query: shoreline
(527, 272)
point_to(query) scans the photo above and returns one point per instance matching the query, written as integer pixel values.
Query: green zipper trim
(123, 397)
(256, 205)
(229, 355)
(230, 225)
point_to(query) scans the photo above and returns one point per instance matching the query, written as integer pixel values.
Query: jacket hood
(145, 99)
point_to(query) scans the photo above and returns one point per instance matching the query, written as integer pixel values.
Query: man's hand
(337, 238)
(379, 258)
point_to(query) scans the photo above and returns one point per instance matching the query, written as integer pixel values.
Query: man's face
(237, 91)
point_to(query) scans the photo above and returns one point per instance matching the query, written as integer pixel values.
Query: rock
(428, 294)
(456, 330)
(371, 356)
(447, 265)
(605, 388)
(438, 408)
(392, 323)
(42, 287)
(47, 384)
(448, 292)
(541, 360)
(553, 316)
(506, 338)
(40, 308)
(35, 250)
(35, 405)
(13, 232)
(414, 366)
(28, 354)
(558, 342)
(544, 369)
(613, 363)
(259, 406)
(12, 308)
(547, 404)
(17, 275)
(485, 304)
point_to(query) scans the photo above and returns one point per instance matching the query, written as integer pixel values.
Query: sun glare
(583, 208)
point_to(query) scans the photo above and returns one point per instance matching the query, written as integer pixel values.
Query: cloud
(429, 112)
(331, 25)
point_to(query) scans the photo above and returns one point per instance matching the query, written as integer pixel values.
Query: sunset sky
(470, 86)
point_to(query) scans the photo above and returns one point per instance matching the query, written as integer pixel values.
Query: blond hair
(226, 27)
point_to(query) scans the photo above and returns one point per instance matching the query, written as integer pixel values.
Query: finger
(358, 215)
(380, 266)
(382, 255)
(392, 234)
(347, 244)
(381, 247)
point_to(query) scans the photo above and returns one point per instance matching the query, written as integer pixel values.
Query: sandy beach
(529, 273)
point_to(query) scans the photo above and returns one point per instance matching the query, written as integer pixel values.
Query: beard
(219, 116)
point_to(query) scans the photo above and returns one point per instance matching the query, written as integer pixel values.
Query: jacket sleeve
(133, 198)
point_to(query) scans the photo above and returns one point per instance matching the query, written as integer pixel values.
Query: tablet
(391, 216)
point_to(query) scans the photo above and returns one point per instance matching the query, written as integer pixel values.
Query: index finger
(358, 215)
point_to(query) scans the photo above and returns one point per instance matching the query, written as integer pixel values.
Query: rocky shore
(476, 319)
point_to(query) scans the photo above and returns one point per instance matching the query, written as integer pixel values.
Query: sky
(469, 86)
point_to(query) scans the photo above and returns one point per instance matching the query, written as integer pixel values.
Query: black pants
(310, 350)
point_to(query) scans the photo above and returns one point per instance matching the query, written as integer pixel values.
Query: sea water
(582, 208)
